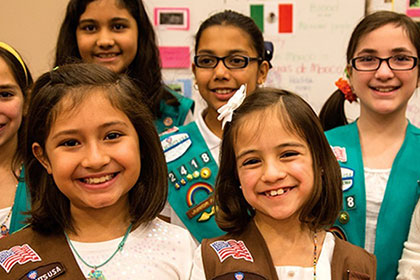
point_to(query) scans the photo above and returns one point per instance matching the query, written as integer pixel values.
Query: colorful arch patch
(339, 232)
(200, 186)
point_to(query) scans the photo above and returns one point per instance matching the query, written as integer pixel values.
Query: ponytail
(332, 113)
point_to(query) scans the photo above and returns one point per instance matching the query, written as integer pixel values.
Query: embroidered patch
(340, 153)
(231, 248)
(347, 174)
(239, 276)
(175, 146)
(339, 232)
(45, 272)
(17, 254)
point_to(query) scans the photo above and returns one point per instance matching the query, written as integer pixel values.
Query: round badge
(205, 173)
(343, 217)
(168, 121)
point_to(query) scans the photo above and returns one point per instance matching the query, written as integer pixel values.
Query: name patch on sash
(46, 272)
(231, 248)
(175, 146)
(347, 174)
(17, 254)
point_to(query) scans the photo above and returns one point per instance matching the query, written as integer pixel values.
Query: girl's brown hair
(322, 208)
(332, 113)
(50, 208)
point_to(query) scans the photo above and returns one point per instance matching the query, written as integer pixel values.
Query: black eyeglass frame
(218, 58)
(353, 63)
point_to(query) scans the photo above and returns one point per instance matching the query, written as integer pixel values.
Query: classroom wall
(308, 60)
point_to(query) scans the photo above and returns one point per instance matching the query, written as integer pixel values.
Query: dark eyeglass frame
(218, 58)
(353, 63)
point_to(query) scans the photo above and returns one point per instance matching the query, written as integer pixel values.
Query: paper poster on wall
(182, 86)
(172, 18)
(273, 17)
(175, 57)
(413, 8)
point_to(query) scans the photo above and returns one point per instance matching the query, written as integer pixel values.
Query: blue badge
(32, 274)
(239, 276)
(175, 146)
(347, 175)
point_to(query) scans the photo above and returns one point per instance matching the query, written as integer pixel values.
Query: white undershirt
(3, 214)
(375, 185)
(323, 267)
(155, 251)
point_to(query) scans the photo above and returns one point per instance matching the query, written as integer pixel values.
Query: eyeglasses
(230, 61)
(396, 62)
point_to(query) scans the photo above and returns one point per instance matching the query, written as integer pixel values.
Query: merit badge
(239, 276)
(347, 174)
(343, 217)
(340, 153)
(205, 173)
(17, 254)
(46, 272)
(168, 121)
(175, 146)
(231, 248)
(339, 232)
(202, 206)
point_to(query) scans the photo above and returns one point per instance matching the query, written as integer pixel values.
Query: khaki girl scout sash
(192, 174)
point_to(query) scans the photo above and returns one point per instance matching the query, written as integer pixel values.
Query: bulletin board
(310, 39)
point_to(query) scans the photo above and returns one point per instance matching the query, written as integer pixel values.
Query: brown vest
(348, 262)
(44, 257)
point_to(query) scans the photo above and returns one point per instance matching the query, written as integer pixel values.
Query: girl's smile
(107, 34)
(92, 151)
(274, 166)
(217, 85)
(384, 91)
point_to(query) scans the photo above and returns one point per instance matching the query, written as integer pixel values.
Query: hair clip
(268, 52)
(344, 86)
(226, 111)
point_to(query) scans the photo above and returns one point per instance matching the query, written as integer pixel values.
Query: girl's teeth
(106, 55)
(223, 91)
(275, 192)
(384, 89)
(98, 180)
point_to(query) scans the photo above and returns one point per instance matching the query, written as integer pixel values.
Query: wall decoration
(172, 18)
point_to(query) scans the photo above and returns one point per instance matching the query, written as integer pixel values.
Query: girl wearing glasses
(229, 53)
(378, 152)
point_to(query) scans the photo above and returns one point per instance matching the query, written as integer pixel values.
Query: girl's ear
(41, 157)
(262, 72)
(349, 71)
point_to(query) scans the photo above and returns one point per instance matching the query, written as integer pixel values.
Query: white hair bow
(226, 111)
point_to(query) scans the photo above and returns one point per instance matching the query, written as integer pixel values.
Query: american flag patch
(17, 254)
(340, 153)
(231, 248)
